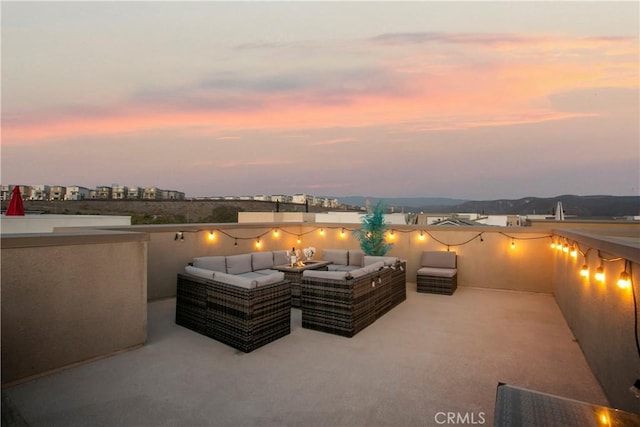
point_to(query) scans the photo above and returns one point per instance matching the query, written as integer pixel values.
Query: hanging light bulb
(422, 237)
(600, 274)
(565, 248)
(276, 232)
(553, 244)
(624, 282)
(574, 252)
(258, 244)
(342, 233)
(322, 231)
(513, 243)
(391, 234)
(212, 235)
(235, 243)
(584, 271)
(559, 246)
(299, 240)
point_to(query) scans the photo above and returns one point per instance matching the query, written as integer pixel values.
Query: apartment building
(77, 193)
(57, 192)
(172, 195)
(40, 192)
(152, 193)
(134, 193)
(103, 192)
(119, 192)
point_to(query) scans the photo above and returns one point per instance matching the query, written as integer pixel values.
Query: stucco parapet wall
(203, 227)
(618, 243)
(88, 237)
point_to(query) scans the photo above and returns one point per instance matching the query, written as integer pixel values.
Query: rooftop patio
(519, 304)
(430, 354)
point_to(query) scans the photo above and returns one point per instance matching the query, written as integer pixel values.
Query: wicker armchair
(438, 273)
(240, 317)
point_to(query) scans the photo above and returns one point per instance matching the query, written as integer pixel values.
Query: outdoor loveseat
(345, 302)
(218, 298)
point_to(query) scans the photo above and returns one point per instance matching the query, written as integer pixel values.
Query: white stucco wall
(47, 223)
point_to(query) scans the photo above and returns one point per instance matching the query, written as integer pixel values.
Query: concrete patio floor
(430, 354)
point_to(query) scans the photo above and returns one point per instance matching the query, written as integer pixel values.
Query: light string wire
(631, 281)
(635, 304)
(348, 229)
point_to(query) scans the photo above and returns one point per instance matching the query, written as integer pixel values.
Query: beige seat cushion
(438, 272)
(438, 259)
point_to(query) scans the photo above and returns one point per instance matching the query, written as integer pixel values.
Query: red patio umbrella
(15, 204)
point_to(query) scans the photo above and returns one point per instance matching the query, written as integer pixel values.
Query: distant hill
(581, 206)
(406, 202)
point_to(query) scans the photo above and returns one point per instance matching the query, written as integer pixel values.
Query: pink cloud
(503, 80)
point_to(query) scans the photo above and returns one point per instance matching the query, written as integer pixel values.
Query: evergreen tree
(371, 235)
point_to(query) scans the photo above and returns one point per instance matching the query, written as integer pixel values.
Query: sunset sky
(471, 100)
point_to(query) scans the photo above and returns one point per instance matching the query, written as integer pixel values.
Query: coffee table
(294, 275)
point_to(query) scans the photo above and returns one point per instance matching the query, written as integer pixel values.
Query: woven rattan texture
(242, 318)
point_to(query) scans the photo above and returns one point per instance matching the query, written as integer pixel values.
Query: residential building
(57, 192)
(152, 193)
(134, 193)
(172, 195)
(77, 193)
(302, 199)
(282, 198)
(5, 192)
(119, 192)
(40, 192)
(103, 192)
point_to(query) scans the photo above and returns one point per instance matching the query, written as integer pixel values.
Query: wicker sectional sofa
(237, 300)
(345, 302)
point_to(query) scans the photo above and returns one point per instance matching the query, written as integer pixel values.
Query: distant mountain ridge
(414, 202)
(596, 206)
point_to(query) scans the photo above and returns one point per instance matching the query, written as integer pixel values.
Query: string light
(553, 244)
(624, 282)
(574, 252)
(212, 235)
(600, 273)
(584, 271)
(565, 248)
(513, 243)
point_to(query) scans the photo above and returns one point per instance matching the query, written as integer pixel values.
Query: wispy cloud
(429, 92)
(451, 38)
(334, 141)
(250, 163)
